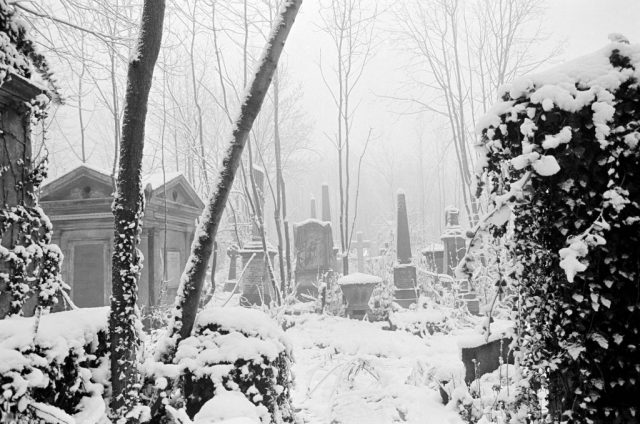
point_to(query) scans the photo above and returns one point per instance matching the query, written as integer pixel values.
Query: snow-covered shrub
(562, 153)
(422, 322)
(381, 302)
(489, 399)
(60, 362)
(237, 349)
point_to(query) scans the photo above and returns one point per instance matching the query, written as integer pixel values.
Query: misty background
(400, 135)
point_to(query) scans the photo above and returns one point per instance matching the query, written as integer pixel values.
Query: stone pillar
(255, 283)
(15, 164)
(453, 240)
(326, 205)
(404, 272)
(313, 208)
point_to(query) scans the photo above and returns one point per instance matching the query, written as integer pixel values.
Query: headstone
(314, 255)
(434, 257)
(313, 208)
(255, 283)
(486, 358)
(404, 272)
(360, 245)
(326, 205)
(453, 240)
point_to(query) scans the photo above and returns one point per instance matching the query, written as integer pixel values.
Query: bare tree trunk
(127, 210)
(280, 194)
(188, 297)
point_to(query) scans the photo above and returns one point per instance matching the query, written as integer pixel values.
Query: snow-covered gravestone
(404, 272)
(314, 255)
(434, 257)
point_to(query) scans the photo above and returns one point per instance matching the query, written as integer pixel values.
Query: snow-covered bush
(422, 322)
(55, 364)
(236, 349)
(562, 153)
(381, 302)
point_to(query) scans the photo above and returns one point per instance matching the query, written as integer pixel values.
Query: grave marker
(360, 245)
(404, 272)
(255, 282)
(314, 255)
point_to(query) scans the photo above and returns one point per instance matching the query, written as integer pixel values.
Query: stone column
(453, 240)
(404, 272)
(326, 205)
(313, 208)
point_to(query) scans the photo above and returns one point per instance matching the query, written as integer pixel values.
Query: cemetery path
(354, 372)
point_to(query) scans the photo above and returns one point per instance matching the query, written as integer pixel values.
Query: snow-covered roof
(158, 179)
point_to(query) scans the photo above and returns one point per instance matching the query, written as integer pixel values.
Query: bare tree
(350, 27)
(467, 53)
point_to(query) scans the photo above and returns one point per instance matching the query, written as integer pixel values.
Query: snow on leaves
(561, 153)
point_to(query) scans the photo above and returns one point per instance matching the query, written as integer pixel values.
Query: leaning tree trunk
(127, 210)
(186, 304)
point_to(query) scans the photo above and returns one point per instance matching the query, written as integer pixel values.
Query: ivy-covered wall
(562, 158)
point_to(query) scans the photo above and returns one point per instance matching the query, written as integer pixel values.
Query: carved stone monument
(314, 255)
(404, 272)
(255, 283)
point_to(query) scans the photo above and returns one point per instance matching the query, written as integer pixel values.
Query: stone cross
(360, 245)
(313, 208)
(326, 205)
(403, 239)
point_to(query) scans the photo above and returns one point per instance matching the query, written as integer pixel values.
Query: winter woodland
(320, 212)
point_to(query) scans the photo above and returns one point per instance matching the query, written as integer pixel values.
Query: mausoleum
(79, 207)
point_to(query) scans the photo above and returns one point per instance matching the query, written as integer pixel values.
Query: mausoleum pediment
(81, 183)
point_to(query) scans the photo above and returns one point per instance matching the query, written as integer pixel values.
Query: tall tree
(128, 209)
(467, 51)
(188, 297)
(350, 27)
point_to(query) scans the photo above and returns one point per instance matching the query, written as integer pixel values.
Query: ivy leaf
(599, 338)
(575, 350)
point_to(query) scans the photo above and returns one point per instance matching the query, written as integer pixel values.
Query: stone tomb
(15, 161)
(314, 255)
(79, 207)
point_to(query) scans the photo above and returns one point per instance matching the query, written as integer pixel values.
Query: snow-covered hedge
(235, 349)
(54, 366)
(562, 154)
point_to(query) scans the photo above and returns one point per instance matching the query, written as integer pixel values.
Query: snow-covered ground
(352, 372)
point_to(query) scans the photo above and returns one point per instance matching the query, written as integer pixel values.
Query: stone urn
(356, 291)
